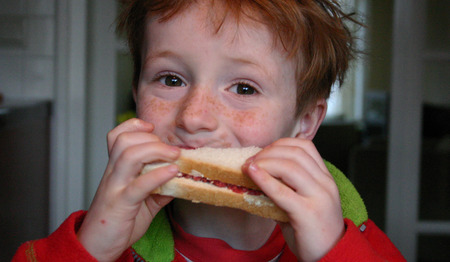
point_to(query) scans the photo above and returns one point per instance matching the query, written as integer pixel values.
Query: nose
(198, 111)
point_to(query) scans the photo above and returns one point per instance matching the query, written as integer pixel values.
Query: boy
(224, 74)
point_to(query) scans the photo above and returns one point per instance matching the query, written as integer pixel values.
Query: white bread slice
(199, 192)
(223, 165)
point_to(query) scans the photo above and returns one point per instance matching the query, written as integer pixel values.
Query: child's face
(227, 89)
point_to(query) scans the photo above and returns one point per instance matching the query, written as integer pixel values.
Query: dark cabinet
(24, 172)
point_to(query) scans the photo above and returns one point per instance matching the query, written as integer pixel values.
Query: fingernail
(247, 163)
(253, 167)
(173, 169)
(250, 160)
(175, 150)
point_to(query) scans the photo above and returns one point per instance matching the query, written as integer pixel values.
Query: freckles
(153, 109)
(216, 106)
(245, 118)
(253, 123)
(256, 128)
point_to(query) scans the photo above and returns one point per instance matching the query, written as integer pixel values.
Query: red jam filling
(234, 188)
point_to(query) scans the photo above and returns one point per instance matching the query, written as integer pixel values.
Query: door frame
(68, 113)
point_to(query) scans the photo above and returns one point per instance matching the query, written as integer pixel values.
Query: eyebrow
(262, 69)
(162, 54)
(172, 55)
(244, 61)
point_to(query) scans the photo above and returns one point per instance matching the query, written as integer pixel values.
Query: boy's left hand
(307, 193)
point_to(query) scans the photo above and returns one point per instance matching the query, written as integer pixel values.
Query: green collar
(157, 245)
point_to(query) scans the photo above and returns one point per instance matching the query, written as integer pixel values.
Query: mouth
(190, 147)
(187, 147)
(194, 144)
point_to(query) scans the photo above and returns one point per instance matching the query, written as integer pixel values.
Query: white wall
(27, 48)
(43, 55)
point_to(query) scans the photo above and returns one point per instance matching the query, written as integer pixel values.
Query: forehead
(244, 35)
(215, 15)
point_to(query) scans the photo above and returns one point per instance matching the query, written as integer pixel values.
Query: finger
(142, 186)
(153, 204)
(160, 201)
(133, 159)
(295, 154)
(290, 173)
(131, 125)
(128, 139)
(282, 195)
(307, 145)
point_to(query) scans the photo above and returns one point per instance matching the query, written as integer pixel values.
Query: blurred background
(65, 81)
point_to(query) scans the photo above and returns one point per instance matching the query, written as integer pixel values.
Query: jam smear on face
(217, 183)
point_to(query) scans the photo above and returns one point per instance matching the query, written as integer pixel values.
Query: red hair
(312, 32)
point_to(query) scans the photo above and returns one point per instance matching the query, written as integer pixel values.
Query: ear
(309, 122)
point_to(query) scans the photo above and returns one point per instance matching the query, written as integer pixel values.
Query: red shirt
(367, 243)
(203, 249)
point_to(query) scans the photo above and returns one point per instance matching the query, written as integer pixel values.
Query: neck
(237, 228)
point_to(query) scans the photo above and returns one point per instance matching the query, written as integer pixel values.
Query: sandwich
(214, 176)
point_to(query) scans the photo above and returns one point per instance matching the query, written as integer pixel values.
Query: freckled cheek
(155, 111)
(254, 128)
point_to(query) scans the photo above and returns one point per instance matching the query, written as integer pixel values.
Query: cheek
(154, 110)
(255, 128)
(265, 125)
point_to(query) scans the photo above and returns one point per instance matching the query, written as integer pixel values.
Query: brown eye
(243, 89)
(171, 80)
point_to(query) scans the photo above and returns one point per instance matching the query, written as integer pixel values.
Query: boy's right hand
(123, 208)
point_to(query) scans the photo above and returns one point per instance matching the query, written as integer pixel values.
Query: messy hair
(312, 32)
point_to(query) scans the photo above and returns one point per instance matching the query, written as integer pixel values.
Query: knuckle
(298, 150)
(306, 143)
(331, 188)
(284, 141)
(298, 153)
(283, 192)
(110, 134)
(137, 124)
(134, 122)
(111, 137)
(127, 155)
(124, 138)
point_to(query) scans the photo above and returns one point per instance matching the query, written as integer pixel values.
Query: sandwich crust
(199, 192)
